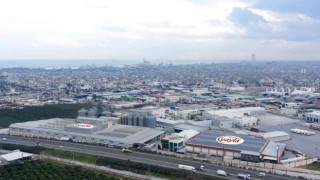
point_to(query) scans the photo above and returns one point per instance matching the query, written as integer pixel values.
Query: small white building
(176, 141)
(16, 155)
(313, 117)
(174, 97)
(199, 90)
(186, 114)
(227, 118)
(236, 88)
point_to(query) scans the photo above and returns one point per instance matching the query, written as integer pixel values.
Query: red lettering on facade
(229, 139)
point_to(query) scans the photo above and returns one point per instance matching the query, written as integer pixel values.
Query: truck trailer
(244, 176)
(185, 167)
(64, 139)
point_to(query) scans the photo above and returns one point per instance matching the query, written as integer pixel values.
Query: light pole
(278, 153)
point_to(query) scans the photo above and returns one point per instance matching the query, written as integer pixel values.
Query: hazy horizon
(116, 63)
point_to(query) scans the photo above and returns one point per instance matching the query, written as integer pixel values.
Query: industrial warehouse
(86, 130)
(235, 146)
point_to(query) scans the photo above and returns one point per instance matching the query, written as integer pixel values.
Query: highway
(142, 157)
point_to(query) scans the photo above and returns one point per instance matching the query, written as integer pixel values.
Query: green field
(314, 166)
(91, 159)
(44, 169)
(10, 116)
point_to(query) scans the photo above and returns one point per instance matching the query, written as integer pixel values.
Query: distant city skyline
(181, 31)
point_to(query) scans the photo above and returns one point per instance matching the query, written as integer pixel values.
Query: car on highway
(4, 139)
(125, 150)
(201, 168)
(244, 176)
(262, 174)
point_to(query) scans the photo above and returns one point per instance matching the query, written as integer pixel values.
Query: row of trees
(9, 116)
(43, 170)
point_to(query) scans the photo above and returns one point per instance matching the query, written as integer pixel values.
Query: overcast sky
(160, 30)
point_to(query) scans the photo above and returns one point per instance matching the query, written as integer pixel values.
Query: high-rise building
(253, 59)
(303, 71)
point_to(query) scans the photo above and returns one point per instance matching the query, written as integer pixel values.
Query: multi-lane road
(146, 158)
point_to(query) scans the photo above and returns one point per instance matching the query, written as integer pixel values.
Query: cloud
(114, 28)
(308, 8)
(244, 17)
(267, 25)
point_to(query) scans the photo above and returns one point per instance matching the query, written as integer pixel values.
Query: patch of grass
(314, 166)
(29, 149)
(161, 175)
(88, 158)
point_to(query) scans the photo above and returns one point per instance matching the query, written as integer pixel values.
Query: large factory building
(227, 118)
(235, 146)
(87, 130)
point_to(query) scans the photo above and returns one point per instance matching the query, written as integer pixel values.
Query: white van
(222, 173)
(262, 174)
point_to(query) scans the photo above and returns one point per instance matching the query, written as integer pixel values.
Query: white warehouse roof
(188, 133)
(15, 155)
(234, 112)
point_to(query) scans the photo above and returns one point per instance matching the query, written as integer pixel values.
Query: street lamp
(278, 153)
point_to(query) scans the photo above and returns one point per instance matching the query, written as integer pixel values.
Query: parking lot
(309, 145)
(274, 120)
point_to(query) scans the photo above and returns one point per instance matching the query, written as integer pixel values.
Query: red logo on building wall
(84, 125)
(233, 140)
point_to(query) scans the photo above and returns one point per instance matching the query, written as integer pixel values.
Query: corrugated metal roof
(208, 138)
(271, 149)
(133, 135)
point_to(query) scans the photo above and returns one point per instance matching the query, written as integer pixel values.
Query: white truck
(201, 168)
(244, 176)
(222, 173)
(64, 139)
(188, 168)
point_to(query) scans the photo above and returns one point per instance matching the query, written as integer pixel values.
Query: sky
(160, 30)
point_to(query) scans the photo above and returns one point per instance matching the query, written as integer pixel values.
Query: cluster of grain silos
(137, 118)
(88, 113)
